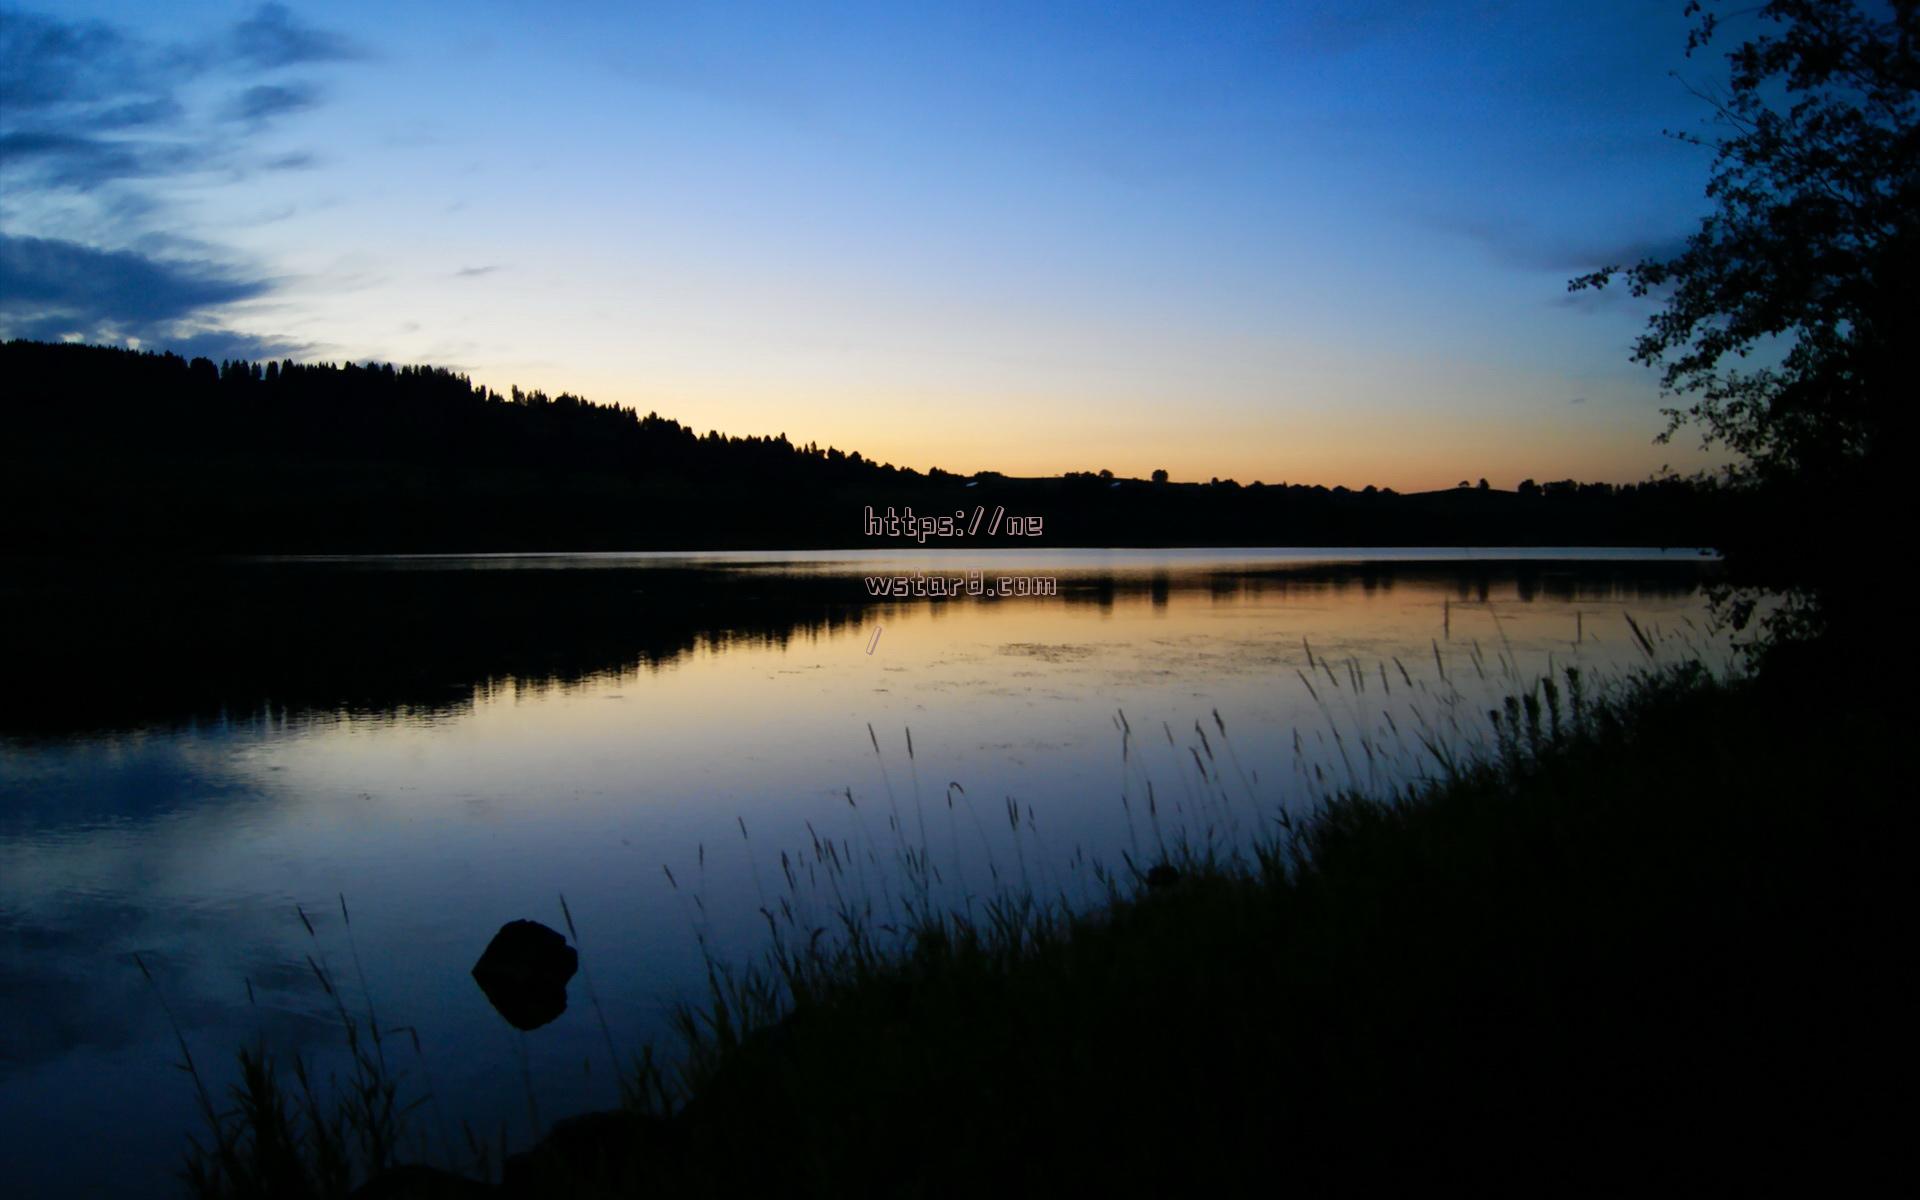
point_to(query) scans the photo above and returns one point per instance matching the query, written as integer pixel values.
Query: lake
(189, 752)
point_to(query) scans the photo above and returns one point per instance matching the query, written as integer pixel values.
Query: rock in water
(524, 973)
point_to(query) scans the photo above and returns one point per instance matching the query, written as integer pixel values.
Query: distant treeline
(104, 448)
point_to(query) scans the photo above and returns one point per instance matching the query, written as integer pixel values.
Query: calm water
(451, 743)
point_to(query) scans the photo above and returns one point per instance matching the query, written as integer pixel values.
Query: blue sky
(1318, 242)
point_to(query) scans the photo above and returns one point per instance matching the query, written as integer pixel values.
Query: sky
(1320, 242)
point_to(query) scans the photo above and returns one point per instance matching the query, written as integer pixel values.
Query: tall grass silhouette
(1399, 768)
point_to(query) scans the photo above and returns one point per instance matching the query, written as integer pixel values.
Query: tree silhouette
(1788, 316)
(110, 449)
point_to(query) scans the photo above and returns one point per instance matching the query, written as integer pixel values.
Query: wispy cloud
(265, 101)
(298, 160)
(52, 290)
(45, 61)
(83, 104)
(66, 281)
(475, 272)
(274, 37)
(1525, 245)
(92, 118)
(61, 159)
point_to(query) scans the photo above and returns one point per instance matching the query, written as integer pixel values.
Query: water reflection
(452, 743)
(262, 643)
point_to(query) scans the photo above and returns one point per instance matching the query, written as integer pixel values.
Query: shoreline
(1524, 951)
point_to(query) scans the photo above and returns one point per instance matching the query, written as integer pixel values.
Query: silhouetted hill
(104, 448)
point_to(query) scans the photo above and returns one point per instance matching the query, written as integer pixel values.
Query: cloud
(83, 104)
(136, 114)
(71, 160)
(218, 344)
(50, 279)
(299, 160)
(274, 37)
(475, 272)
(1520, 244)
(268, 100)
(1629, 251)
(51, 289)
(91, 118)
(1615, 298)
(45, 62)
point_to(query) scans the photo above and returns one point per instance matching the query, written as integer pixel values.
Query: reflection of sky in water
(193, 846)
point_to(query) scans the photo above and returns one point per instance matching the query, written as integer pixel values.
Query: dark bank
(1622, 952)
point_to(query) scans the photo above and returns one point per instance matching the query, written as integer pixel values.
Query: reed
(1356, 986)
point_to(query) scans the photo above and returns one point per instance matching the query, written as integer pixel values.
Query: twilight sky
(1321, 242)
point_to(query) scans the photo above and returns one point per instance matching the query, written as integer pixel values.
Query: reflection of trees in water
(1472, 582)
(287, 641)
(265, 643)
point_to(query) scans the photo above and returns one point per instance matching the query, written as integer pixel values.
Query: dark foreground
(1658, 943)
